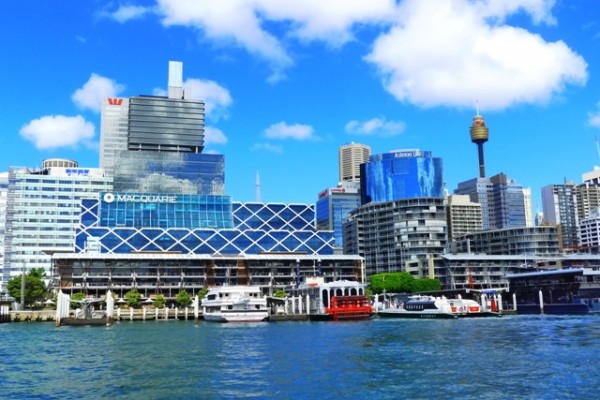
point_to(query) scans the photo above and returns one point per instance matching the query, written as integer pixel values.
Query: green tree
(279, 293)
(183, 298)
(76, 296)
(133, 298)
(159, 301)
(202, 294)
(427, 285)
(35, 288)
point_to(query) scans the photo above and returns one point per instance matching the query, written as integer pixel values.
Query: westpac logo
(115, 102)
(138, 198)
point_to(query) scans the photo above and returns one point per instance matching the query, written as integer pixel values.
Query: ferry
(337, 300)
(235, 304)
(562, 291)
(423, 306)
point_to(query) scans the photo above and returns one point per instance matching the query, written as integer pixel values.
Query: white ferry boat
(419, 306)
(235, 304)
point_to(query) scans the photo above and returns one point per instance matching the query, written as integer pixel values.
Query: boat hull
(415, 314)
(237, 316)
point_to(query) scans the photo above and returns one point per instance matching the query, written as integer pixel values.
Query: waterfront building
(3, 197)
(401, 174)
(464, 216)
(526, 240)
(351, 156)
(559, 204)
(119, 223)
(589, 232)
(502, 201)
(402, 235)
(333, 207)
(169, 273)
(43, 211)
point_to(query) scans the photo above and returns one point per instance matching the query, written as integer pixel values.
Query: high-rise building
(401, 174)
(113, 131)
(334, 205)
(172, 124)
(501, 198)
(43, 208)
(559, 204)
(589, 232)
(402, 235)
(464, 216)
(350, 157)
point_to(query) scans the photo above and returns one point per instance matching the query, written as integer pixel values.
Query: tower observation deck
(479, 135)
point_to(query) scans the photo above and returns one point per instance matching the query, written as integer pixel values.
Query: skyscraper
(333, 207)
(113, 131)
(157, 123)
(502, 201)
(350, 157)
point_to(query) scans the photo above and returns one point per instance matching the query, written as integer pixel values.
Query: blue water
(514, 357)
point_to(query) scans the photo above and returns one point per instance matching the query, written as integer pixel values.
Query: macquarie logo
(138, 198)
(114, 101)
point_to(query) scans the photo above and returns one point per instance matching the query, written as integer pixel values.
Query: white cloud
(94, 91)
(376, 126)
(244, 23)
(128, 12)
(498, 65)
(282, 130)
(594, 117)
(214, 136)
(54, 131)
(215, 96)
(272, 148)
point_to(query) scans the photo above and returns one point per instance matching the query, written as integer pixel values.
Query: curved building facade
(401, 174)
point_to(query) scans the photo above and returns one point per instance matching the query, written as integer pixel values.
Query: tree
(159, 301)
(279, 293)
(202, 294)
(133, 298)
(77, 296)
(402, 282)
(35, 288)
(183, 298)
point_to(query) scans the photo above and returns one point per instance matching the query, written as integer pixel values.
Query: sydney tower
(479, 135)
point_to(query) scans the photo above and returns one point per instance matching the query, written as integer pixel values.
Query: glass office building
(43, 211)
(401, 174)
(257, 229)
(333, 207)
(165, 124)
(167, 172)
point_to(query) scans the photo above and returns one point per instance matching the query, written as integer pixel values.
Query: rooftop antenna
(257, 195)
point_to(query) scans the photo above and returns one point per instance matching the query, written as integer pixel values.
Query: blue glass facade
(401, 174)
(169, 172)
(157, 210)
(258, 228)
(332, 210)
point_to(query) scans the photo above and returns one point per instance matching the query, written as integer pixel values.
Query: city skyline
(286, 85)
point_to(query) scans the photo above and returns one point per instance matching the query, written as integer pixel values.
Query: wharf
(288, 317)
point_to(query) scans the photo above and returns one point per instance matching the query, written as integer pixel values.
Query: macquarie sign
(138, 198)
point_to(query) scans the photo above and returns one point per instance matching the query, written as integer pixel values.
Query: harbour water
(514, 357)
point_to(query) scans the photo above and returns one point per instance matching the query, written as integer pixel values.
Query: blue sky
(288, 82)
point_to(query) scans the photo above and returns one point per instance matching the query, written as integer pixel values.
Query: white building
(350, 157)
(43, 212)
(589, 232)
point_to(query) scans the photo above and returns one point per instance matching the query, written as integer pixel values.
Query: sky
(286, 83)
